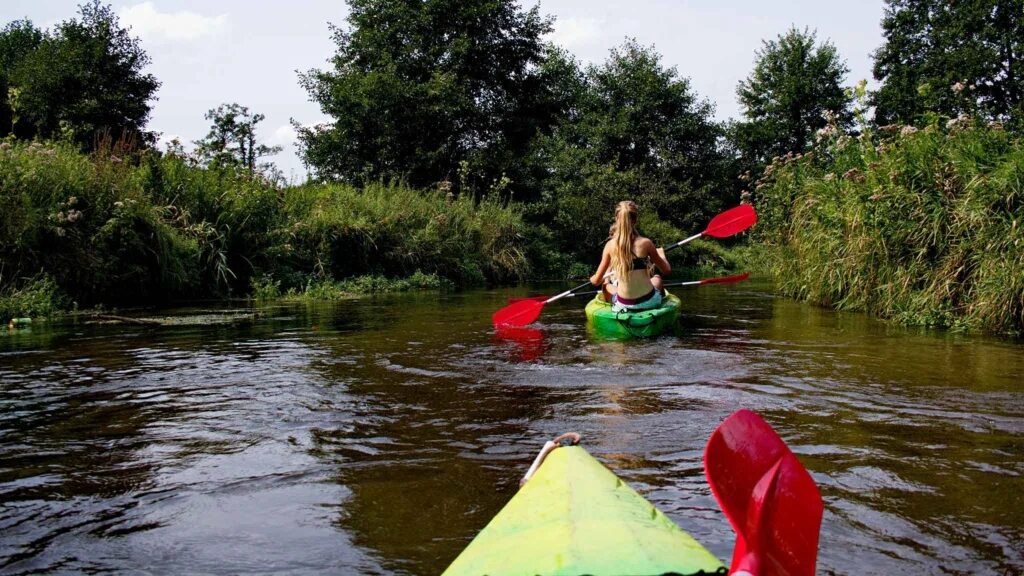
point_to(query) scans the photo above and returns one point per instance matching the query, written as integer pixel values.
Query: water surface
(378, 436)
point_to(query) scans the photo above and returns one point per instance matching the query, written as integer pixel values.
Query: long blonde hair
(623, 234)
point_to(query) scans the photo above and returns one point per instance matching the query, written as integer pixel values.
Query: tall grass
(923, 226)
(150, 228)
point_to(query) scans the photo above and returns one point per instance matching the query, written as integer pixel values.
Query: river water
(378, 436)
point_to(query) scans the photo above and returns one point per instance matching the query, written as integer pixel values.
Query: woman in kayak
(628, 255)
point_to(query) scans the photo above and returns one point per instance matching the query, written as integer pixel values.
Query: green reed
(922, 226)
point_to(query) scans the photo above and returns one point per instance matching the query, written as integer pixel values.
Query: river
(377, 436)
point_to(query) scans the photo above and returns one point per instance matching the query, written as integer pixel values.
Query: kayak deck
(576, 517)
(641, 324)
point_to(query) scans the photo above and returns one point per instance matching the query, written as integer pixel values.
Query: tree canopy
(950, 58)
(795, 81)
(82, 80)
(231, 141)
(418, 88)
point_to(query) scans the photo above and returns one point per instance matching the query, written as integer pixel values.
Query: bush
(923, 226)
(154, 228)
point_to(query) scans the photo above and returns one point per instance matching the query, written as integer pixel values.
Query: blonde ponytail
(623, 234)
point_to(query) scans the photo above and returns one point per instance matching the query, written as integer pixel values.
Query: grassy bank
(922, 226)
(118, 230)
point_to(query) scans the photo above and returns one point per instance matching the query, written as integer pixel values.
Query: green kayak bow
(573, 516)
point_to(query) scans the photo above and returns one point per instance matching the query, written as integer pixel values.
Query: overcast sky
(209, 52)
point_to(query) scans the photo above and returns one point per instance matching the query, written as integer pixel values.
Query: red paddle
(732, 221)
(769, 498)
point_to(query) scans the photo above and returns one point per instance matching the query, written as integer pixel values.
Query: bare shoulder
(645, 246)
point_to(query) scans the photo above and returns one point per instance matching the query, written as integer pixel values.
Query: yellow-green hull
(643, 324)
(576, 517)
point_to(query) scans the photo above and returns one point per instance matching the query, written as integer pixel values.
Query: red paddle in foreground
(769, 498)
(728, 223)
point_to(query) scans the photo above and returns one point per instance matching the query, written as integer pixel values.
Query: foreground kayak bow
(573, 516)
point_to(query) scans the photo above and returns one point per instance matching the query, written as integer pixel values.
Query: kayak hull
(576, 517)
(642, 324)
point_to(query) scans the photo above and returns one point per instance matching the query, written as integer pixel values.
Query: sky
(209, 52)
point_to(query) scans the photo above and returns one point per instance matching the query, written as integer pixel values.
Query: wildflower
(907, 131)
(958, 87)
(73, 200)
(74, 215)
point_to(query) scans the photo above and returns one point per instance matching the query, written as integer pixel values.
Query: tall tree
(418, 87)
(795, 81)
(84, 80)
(231, 141)
(950, 58)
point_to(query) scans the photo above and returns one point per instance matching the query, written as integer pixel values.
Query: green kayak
(643, 324)
(575, 517)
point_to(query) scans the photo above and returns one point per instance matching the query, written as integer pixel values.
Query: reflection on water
(377, 437)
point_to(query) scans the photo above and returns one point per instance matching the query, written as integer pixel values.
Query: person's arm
(657, 255)
(606, 260)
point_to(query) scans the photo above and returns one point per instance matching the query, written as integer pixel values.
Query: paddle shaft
(691, 283)
(572, 291)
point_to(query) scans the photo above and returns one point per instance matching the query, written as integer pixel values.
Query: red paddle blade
(769, 498)
(732, 221)
(726, 279)
(518, 313)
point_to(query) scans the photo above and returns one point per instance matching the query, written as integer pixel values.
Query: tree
(950, 58)
(17, 40)
(418, 88)
(637, 130)
(231, 141)
(82, 80)
(795, 81)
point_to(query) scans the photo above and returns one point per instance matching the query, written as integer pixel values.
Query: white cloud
(572, 33)
(152, 25)
(284, 136)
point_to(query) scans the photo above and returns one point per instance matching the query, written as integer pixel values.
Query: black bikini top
(640, 263)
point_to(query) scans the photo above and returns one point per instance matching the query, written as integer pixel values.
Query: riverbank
(922, 226)
(113, 229)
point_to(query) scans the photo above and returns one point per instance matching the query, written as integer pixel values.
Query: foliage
(35, 297)
(923, 226)
(638, 132)
(325, 290)
(795, 84)
(157, 228)
(81, 81)
(231, 142)
(335, 231)
(417, 88)
(950, 58)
